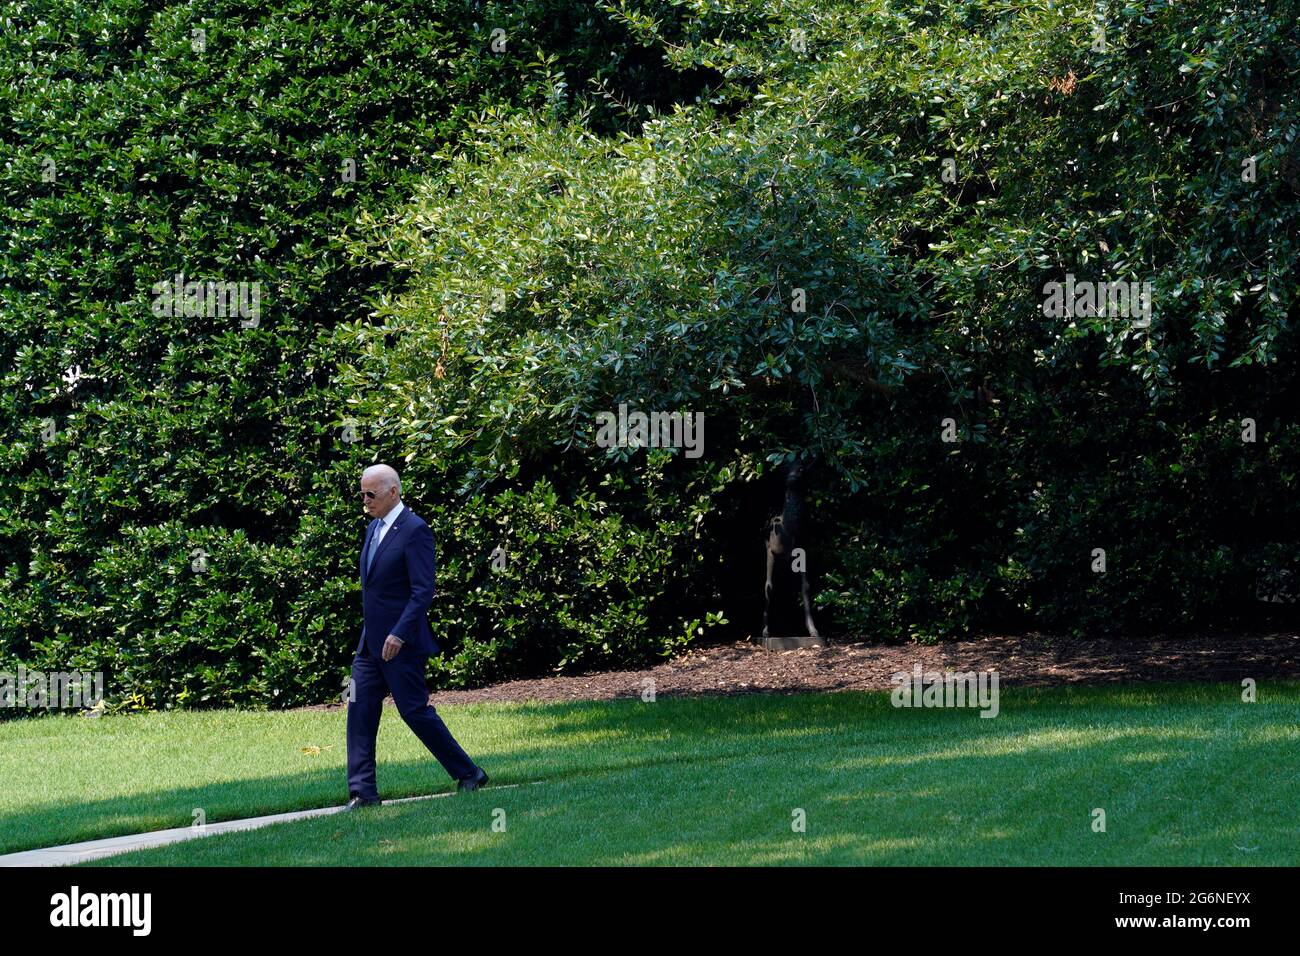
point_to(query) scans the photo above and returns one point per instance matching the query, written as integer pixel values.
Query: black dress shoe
(360, 802)
(479, 778)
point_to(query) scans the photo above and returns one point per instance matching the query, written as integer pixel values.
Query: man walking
(397, 572)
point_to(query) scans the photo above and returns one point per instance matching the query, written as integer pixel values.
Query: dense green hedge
(573, 585)
(130, 155)
(535, 256)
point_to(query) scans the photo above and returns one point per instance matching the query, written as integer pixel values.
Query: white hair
(385, 473)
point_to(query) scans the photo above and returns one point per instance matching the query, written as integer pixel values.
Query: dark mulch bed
(744, 668)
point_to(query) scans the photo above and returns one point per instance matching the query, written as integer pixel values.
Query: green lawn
(1187, 774)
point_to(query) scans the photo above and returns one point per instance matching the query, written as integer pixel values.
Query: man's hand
(392, 645)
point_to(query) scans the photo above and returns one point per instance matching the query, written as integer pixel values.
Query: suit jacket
(397, 591)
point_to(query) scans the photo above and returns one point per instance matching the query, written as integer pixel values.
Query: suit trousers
(403, 677)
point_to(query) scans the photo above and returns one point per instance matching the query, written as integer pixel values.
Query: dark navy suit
(395, 595)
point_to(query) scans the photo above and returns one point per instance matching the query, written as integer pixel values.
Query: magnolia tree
(992, 266)
(700, 268)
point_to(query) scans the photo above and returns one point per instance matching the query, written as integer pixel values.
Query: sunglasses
(371, 494)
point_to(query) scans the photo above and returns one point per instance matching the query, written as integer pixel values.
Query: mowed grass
(1186, 775)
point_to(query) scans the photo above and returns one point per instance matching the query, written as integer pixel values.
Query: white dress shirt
(387, 520)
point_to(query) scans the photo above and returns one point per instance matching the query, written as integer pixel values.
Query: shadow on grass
(1012, 798)
(860, 733)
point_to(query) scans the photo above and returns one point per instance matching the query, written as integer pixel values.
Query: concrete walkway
(97, 849)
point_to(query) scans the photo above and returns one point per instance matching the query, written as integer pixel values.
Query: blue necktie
(374, 543)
